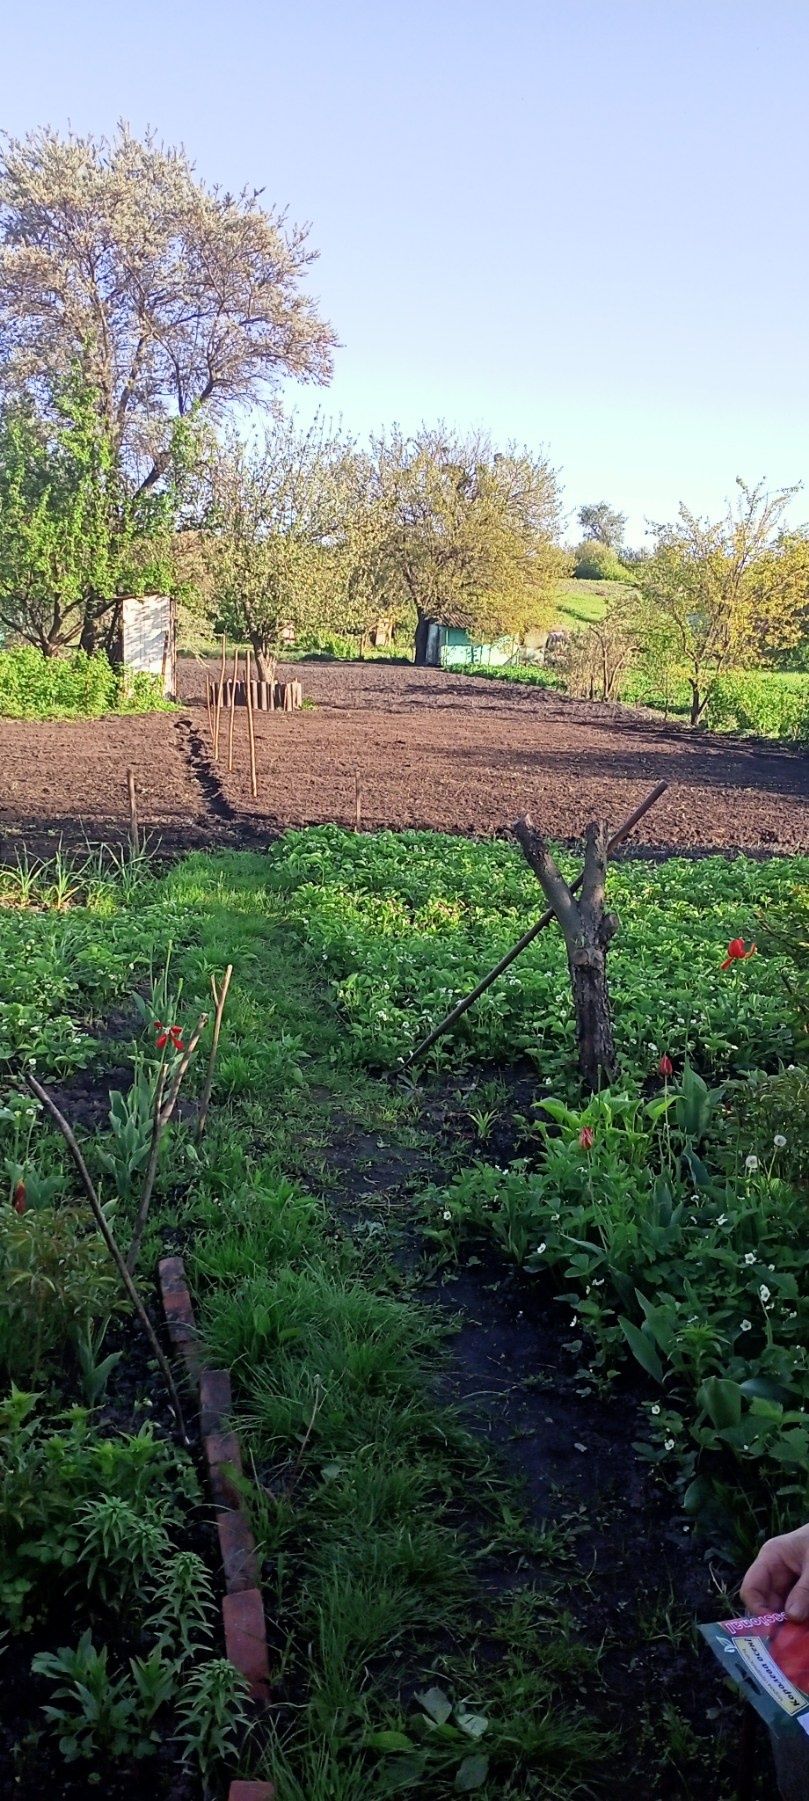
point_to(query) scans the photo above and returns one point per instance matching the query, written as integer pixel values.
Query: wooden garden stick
(232, 708)
(220, 995)
(163, 1110)
(219, 694)
(250, 732)
(357, 800)
(134, 834)
(462, 1006)
(95, 1205)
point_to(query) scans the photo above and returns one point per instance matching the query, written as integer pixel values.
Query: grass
(374, 1504)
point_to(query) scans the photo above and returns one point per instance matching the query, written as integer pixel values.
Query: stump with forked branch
(587, 929)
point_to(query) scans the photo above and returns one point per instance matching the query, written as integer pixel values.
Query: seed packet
(767, 1656)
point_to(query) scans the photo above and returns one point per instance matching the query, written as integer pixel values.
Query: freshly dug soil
(428, 749)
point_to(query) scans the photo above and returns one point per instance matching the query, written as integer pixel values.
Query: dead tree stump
(587, 929)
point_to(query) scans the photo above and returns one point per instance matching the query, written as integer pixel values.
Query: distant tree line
(139, 309)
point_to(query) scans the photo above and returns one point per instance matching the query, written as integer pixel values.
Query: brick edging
(242, 1607)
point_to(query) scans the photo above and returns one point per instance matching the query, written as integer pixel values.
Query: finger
(767, 1582)
(797, 1603)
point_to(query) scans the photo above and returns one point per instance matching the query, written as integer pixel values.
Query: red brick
(171, 1271)
(246, 1639)
(251, 1791)
(223, 1447)
(215, 1401)
(238, 1548)
(177, 1305)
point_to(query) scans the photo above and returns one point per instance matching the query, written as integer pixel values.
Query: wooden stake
(134, 834)
(219, 694)
(100, 1219)
(250, 730)
(462, 1006)
(587, 929)
(357, 800)
(232, 708)
(208, 701)
(220, 995)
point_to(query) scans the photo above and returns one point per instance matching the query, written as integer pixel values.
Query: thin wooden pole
(232, 708)
(462, 1006)
(134, 834)
(208, 700)
(220, 995)
(101, 1221)
(250, 730)
(219, 693)
(357, 800)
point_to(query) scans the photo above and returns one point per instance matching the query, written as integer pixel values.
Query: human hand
(779, 1579)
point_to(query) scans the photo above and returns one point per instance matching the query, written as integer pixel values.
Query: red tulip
(665, 1066)
(737, 953)
(587, 1138)
(19, 1202)
(172, 1035)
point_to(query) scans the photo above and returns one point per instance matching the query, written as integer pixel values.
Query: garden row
(664, 1215)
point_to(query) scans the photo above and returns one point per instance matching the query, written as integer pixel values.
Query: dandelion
(749, 1257)
(751, 1164)
(779, 1141)
(746, 1325)
(764, 1293)
(737, 953)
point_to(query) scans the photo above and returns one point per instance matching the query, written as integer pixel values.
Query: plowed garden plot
(427, 748)
(456, 753)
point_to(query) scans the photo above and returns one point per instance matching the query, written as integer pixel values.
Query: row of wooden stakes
(265, 697)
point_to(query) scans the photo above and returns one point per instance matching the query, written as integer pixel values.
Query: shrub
(597, 562)
(78, 686)
(764, 703)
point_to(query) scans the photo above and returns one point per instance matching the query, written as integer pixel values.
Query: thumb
(797, 1605)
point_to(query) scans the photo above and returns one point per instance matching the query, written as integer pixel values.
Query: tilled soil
(423, 747)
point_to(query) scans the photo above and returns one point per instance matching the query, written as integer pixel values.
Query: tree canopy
(720, 593)
(600, 521)
(169, 295)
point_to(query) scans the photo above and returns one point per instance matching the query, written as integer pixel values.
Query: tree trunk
(587, 929)
(421, 640)
(265, 661)
(698, 704)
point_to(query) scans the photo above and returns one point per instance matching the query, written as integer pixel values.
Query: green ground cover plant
(77, 686)
(374, 1504)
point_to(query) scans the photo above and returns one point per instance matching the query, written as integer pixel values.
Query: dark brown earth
(429, 749)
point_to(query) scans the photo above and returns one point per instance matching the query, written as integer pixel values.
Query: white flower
(555, 1217)
(446, 1214)
(749, 1257)
(655, 1407)
(751, 1164)
(764, 1293)
(745, 1326)
(540, 1248)
(669, 1445)
(779, 1141)
(722, 1220)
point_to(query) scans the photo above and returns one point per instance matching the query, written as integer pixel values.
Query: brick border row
(242, 1607)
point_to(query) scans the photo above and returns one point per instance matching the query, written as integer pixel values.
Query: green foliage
(49, 1473)
(56, 1280)
(762, 703)
(213, 1713)
(595, 561)
(73, 687)
(99, 1715)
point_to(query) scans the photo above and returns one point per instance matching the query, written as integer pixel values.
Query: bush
(597, 562)
(765, 703)
(77, 686)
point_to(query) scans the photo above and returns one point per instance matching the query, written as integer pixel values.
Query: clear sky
(579, 223)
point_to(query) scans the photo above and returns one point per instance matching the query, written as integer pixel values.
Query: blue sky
(581, 224)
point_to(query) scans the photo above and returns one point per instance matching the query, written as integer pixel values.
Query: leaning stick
(357, 801)
(134, 834)
(462, 1006)
(250, 731)
(232, 708)
(220, 995)
(98, 1214)
(219, 693)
